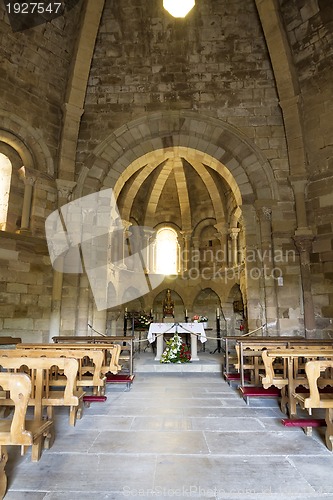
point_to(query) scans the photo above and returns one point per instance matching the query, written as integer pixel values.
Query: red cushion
(253, 391)
(303, 422)
(94, 399)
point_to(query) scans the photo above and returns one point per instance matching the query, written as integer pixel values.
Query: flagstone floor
(175, 435)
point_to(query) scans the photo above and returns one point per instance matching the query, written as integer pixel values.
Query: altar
(157, 330)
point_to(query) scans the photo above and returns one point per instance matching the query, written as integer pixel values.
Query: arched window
(5, 178)
(166, 251)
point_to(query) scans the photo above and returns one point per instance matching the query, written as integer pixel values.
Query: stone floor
(175, 435)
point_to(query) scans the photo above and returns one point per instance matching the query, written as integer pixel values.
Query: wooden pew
(239, 347)
(18, 431)
(9, 341)
(316, 399)
(250, 349)
(90, 362)
(293, 376)
(124, 341)
(111, 354)
(43, 394)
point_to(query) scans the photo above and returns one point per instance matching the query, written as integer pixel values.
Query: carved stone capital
(303, 243)
(65, 188)
(28, 175)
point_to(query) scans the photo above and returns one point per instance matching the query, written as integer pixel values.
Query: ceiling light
(178, 8)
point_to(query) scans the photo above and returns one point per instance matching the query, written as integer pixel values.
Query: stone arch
(27, 142)
(156, 137)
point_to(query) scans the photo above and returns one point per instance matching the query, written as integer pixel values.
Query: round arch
(27, 142)
(156, 137)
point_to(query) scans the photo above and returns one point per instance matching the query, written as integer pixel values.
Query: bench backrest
(40, 370)
(110, 350)
(313, 370)
(19, 387)
(94, 355)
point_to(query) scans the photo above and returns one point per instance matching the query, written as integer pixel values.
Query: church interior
(157, 169)
(216, 127)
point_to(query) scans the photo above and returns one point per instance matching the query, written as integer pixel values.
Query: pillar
(185, 251)
(234, 232)
(29, 177)
(65, 189)
(304, 245)
(267, 265)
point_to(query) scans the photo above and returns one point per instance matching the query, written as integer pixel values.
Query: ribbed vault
(180, 189)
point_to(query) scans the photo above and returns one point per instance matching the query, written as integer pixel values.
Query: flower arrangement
(142, 321)
(176, 351)
(199, 319)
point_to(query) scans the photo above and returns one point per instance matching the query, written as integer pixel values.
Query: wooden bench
(249, 353)
(242, 353)
(10, 341)
(111, 353)
(18, 431)
(44, 395)
(124, 341)
(293, 377)
(316, 399)
(90, 363)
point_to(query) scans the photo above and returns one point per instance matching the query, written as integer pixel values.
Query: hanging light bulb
(178, 8)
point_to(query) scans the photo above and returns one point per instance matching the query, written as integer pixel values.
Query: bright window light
(166, 251)
(178, 8)
(5, 177)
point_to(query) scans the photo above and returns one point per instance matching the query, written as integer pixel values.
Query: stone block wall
(25, 288)
(34, 69)
(309, 25)
(214, 62)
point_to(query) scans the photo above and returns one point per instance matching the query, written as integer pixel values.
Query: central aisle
(175, 436)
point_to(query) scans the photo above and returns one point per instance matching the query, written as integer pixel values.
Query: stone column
(222, 233)
(266, 259)
(122, 242)
(185, 250)
(29, 177)
(298, 184)
(148, 236)
(65, 189)
(304, 245)
(113, 316)
(196, 253)
(82, 319)
(234, 232)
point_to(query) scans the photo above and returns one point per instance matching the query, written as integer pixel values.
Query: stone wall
(309, 25)
(25, 288)
(215, 61)
(34, 68)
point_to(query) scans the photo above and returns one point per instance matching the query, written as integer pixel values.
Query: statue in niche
(168, 305)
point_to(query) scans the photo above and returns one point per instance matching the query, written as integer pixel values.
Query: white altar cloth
(157, 330)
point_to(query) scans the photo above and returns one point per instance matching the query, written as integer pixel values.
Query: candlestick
(218, 312)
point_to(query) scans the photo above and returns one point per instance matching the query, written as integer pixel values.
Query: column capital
(186, 234)
(303, 243)
(234, 232)
(65, 188)
(298, 182)
(72, 111)
(28, 175)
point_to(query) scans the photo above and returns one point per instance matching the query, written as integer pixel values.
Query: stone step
(145, 363)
